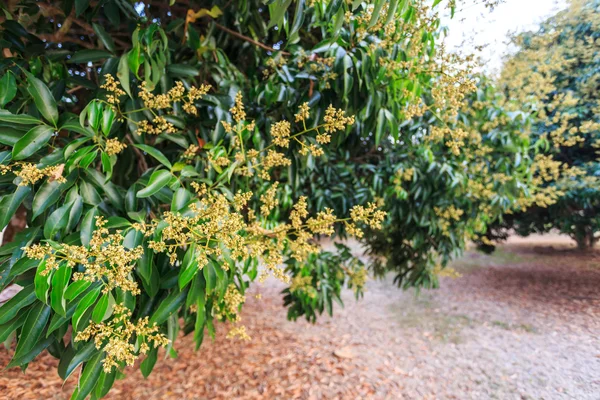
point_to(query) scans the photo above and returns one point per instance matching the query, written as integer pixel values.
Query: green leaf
(104, 37)
(32, 141)
(89, 377)
(22, 119)
(182, 70)
(57, 221)
(293, 36)
(58, 320)
(23, 265)
(22, 299)
(85, 303)
(9, 135)
(104, 384)
(210, 276)
(393, 5)
(42, 282)
(89, 55)
(134, 60)
(380, 128)
(76, 288)
(103, 308)
(8, 88)
(43, 98)
(10, 203)
(88, 225)
(108, 118)
(148, 364)
(376, 12)
(81, 6)
(123, 74)
(189, 267)
(160, 157)
(200, 319)
(168, 306)
(47, 195)
(25, 358)
(158, 180)
(181, 198)
(73, 358)
(60, 280)
(106, 165)
(9, 327)
(32, 329)
(89, 193)
(75, 126)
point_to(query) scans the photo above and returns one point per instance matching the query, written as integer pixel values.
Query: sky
(475, 25)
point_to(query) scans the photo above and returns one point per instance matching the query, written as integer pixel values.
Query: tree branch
(247, 39)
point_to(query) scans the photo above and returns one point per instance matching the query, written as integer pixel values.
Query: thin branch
(247, 39)
(73, 90)
(142, 165)
(59, 39)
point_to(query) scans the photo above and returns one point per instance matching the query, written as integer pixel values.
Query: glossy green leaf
(47, 195)
(32, 329)
(9, 327)
(168, 306)
(104, 37)
(21, 119)
(189, 267)
(103, 308)
(74, 357)
(32, 141)
(43, 98)
(9, 310)
(10, 203)
(60, 281)
(42, 282)
(76, 288)
(88, 225)
(155, 154)
(8, 88)
(89, 377)
(85, 303)
(57, 221)
(158, 180)
(148, 364)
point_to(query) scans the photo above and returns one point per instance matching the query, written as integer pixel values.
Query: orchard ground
(522, 323)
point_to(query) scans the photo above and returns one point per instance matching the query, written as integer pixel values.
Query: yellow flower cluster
(113, 89)
(115, 338)
(174, 95)
(30, 174)
(446, 215)
(105, 260)
(113, 147)
(159, 125)
(239, 332)
(232, 302)
(303, 284)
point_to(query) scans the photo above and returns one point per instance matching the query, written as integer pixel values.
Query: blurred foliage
(555, 75)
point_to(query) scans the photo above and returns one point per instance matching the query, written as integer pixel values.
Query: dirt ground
(523, 323)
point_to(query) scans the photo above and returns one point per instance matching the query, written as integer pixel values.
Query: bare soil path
(521, 324)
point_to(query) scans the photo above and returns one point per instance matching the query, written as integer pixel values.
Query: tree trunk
(585, 238)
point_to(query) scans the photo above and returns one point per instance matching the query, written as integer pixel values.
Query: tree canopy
(166, 156)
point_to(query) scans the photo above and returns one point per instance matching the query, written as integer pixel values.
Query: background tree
(554, 75)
